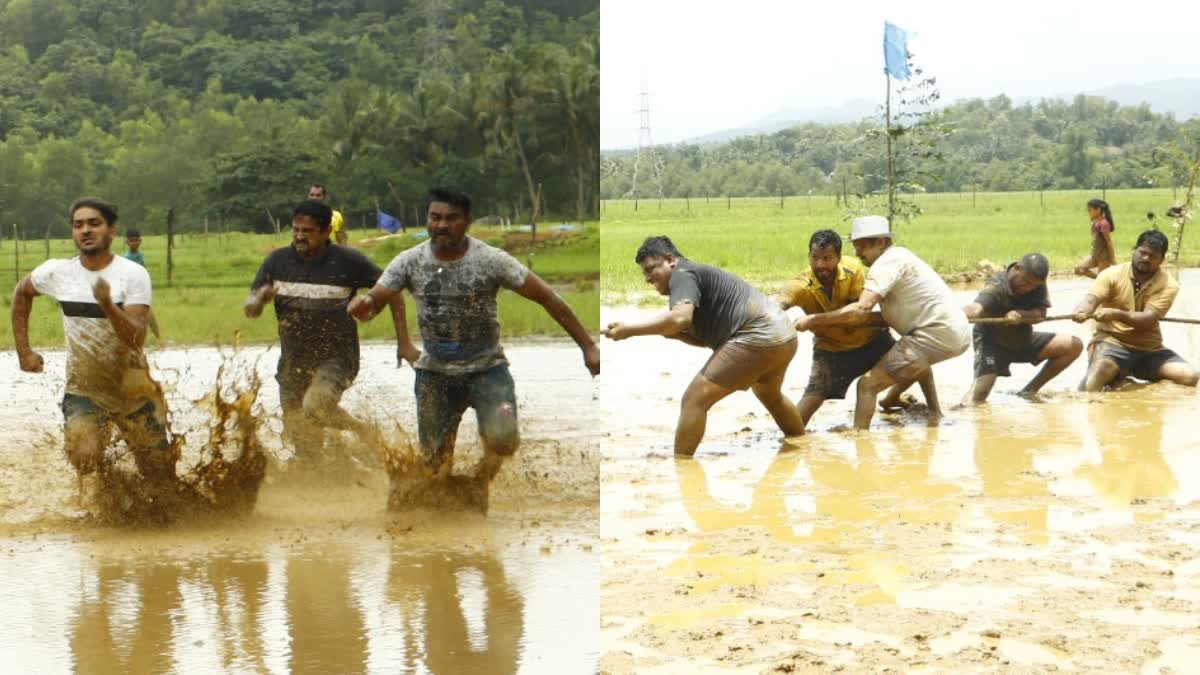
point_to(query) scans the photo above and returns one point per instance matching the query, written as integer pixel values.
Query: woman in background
(1102, 255)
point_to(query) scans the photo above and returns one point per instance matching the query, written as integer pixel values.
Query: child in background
(1103, 256)
(133, 239)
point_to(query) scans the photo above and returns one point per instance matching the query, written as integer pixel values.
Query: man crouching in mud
(916, 303)
(1128, 301)
(752, 340)
(455, 279)
(105, 300)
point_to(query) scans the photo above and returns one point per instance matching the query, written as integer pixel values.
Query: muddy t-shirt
(456, 303)
(100, 366)
(310, 304)
(726, 307)
(997, 299)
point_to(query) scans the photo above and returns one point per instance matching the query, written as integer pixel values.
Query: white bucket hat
(866, 227)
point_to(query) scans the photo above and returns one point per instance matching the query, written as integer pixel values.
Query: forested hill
(1087, 142)
(227, 109)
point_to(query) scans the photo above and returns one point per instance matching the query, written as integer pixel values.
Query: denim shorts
(442, 398)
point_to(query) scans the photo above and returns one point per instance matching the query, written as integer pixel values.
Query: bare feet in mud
(891, 406)
(453, 493)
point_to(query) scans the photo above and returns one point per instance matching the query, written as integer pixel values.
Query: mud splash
(1014, 537)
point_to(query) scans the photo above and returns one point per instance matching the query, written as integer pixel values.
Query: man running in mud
(455, 279)
(312, 282)
(1015, 293)
(1127, 301)
(751, 338)
(105, 301)
(916, 303)
(841, 354)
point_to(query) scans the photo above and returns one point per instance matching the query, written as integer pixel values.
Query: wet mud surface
(317, 574)
(1018, 536)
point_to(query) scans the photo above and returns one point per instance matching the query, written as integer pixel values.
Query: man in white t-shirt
(916, 303)
(105, 301)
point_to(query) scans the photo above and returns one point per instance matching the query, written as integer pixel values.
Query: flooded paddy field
(1016, 536)
(318, 577)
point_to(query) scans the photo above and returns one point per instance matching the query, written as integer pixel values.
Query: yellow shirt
(336, 226)
(1114, 288)
(806, 293)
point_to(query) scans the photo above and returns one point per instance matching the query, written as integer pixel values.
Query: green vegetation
(226, 110)
(212, 277)
(766, 244)
(1088, 142)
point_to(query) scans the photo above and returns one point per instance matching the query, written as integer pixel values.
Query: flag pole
(887, 121)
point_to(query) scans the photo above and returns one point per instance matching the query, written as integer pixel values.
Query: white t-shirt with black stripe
(99, 365)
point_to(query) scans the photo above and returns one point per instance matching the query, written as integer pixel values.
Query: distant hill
(1180, 97)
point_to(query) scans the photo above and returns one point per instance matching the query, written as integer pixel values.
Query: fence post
(728, 203)
(170, 244)
(47, 242)
(635, 204)
(16, 257)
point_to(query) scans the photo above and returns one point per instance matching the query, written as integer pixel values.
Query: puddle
(318, 577)
(1055, 518)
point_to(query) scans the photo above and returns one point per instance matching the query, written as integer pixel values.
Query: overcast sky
(710, 66)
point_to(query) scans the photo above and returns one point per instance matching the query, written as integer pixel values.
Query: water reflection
(331, 607)
(1005, 457)
(1132, 466)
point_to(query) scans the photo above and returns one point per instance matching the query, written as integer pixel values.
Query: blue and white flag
(895, 51)
(388, 223)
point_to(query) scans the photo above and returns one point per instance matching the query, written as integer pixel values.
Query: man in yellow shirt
(337, 228)
(841, 354)
(1127, 301)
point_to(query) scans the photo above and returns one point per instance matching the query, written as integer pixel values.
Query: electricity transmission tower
(646, 152)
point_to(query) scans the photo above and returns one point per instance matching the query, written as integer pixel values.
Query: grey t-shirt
(456, 303)
(727, 308)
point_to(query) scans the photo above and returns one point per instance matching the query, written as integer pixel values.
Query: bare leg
(769, 391)
(808, 406)
(1100, 373)
(893, 398)
(84, 438)
(869, 386)
(980, 389)
(1059, 353)
(1179, 372)
(701, 395)
(931, 397)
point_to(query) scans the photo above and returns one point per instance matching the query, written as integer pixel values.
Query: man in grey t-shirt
(752, 340)
(455, 279)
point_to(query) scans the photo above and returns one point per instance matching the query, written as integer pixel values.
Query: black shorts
(329, 380)
(1133, 363)
(833, 372)
(993, 359)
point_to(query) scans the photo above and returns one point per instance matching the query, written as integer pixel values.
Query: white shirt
(99, 365)
(915, 299)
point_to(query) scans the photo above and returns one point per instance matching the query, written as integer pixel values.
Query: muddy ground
(319, 577)
(1014, 537)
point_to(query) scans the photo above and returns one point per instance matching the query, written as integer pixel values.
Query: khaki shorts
(739, 366)
(913, 355)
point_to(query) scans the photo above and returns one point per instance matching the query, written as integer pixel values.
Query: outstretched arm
(1085, 308)
(23, 295)
(257, 299)
(670, 324)
(364, 307)
(854, 314)
(537, 290)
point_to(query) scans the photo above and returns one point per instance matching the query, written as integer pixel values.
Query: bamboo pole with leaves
(1183, 213)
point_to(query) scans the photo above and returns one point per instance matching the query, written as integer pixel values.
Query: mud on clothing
(100, 366)
(1144, 365)
(1115, 287)
(456, 303)
(833, 372)
(998, 346)
(727, 308)
(919, 306)
(311, 297)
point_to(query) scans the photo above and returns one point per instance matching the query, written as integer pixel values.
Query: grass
(212, 276)
(766, 244)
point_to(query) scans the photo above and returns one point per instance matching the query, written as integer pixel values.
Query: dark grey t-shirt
(997, 299)
(727, 308)
(456, 303)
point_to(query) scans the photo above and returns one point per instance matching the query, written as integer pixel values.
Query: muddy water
(1015, 536)
(319, 577)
